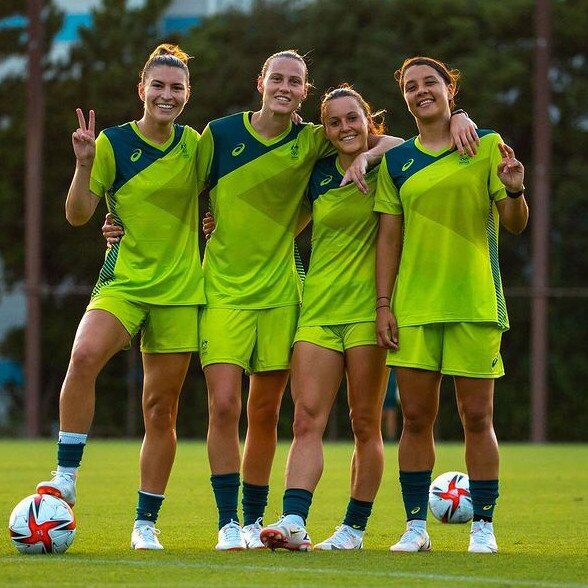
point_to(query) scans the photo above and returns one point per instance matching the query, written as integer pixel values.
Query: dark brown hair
(166, 54)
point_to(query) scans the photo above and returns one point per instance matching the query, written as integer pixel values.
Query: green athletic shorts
(456, 349)
(258, 340)
(164, 329)
(339, 337)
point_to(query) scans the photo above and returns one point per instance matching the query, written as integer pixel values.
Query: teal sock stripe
(358, 513)
(226, 494)
(415, 494)
(148, 506)
(70, 455)
(297, 501)
(254, 502)
(484, 494)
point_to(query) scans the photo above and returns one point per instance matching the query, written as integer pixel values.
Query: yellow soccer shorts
(164, 329)
(339, 337)
(457, 349)
(258, 340)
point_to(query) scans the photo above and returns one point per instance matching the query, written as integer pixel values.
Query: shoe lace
(343, 535)
(256, 526)
(232, 530)
(147, 532)
(411, 534)
(65, 475)
(483, 533)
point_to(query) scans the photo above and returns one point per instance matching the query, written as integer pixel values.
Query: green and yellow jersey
(449, 268)
(256, 189)
(340, 285)
(152, 191)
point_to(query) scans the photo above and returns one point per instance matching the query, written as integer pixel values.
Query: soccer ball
(449, 498)
(42, 523)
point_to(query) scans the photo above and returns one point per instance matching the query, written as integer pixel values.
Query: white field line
(226, 566)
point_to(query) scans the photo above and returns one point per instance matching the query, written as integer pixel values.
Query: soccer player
(336, 333)
(151, 282)
(256, 166)
(437, 252)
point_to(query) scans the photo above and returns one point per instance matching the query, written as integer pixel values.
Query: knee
(306, 422)
(85, 359)
(366, 428)
(477, 420)
(264, 414)
(416, 422)
(160, 414)
(224, 411)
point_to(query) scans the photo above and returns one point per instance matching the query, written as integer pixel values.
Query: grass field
(541, 524)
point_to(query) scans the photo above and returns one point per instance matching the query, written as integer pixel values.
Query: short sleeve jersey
(340, 284)
(449, 269)
(152, 191)
(256, 189)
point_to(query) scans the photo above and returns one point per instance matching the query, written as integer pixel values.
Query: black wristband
(517, 194)
(459, 111)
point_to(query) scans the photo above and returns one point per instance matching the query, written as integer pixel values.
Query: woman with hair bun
(151, 282)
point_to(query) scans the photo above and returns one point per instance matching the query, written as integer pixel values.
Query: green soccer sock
(415, 494)
(254, 502)
(226, 494)
(358, 513)
(297, 501)
(148, 506)
(484, 494)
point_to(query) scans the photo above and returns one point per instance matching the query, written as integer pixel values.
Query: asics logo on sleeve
(494, 362)
(238, 149)
(407, 164)
(136, 154)
(327, 180)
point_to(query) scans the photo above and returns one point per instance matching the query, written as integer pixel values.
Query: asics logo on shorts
(327, 180)
(238, 149)
(136, 154)
(407, 164)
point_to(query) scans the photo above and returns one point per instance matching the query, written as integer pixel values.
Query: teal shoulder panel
(235, 146)
(132, 155)
(325, 176)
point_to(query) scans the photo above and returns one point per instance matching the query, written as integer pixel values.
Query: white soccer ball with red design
(42, 523)
(449, 498)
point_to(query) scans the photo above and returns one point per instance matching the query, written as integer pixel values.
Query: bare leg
(263, 407)
(164, 375)
(316, 375)
(99, 336)
(475, 397)
(419, 399)
(366, 378)
(224, 410)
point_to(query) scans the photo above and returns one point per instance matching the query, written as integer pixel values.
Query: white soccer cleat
(482, 539)
(145, 537)
(414, 539)
(230, 538)
(251, 535)
(285, 535)
(62, 485)
(344, 537)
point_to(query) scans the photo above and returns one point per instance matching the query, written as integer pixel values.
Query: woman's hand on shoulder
(463, 134)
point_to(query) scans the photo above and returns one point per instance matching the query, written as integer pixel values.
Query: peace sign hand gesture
(83, 139)
(510, 170)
